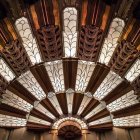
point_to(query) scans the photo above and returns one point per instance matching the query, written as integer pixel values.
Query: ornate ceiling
(70, 64)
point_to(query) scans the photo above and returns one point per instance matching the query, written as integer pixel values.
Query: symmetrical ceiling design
(69, 64)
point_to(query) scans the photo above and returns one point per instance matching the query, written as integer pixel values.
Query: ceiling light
(30, 83)
(110, 42)
(29, 42)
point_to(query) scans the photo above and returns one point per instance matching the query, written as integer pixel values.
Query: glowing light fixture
(70, 31)
(110, 43)
(29, 42)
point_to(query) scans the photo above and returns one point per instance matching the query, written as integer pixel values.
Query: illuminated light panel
(127, 121)
(110, 43)
(6, 120)
(84, 103)
(30, 83)
(29, 41)
(97, 109)
(53, 99)
(15, 101)
(111, 81)
(79, 121)
(69, 95)
(134, 71)
(5, 71)
(55, 72)
(84, 72)
(37, 120)
(125, 101)
(42, 109)
(70, 32)
(101, 121)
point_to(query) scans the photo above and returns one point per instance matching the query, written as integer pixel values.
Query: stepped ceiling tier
(69, 65)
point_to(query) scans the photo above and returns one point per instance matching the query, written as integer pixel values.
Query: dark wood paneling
(91, 105)
(70, 71)
(99, 73)
(31, 125)
(123, 88)
(40, 115)
(99, 115)
(62, 99)
(42, 77)
(11, 111)
(128, 111)
(48, 105)
(108, 125)
(77, 99)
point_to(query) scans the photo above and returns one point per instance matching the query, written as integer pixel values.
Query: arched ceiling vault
(69, 59)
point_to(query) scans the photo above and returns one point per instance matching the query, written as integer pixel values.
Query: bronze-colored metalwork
(89, 42)
(17, 57)
(49, 38)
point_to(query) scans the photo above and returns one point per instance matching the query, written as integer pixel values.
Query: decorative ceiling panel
(110, 42)
(5, 71)
(108, 84)
(126, 100)
(38, 121)
(84, 72)
(127, 121)
(42, 109)
(95, 110)
(16, 56)
(10, 121)
(70, 31)
(101, 121)
(53, 99)
(29, 42)
(84, 103)
(29, 82)
(134, 71)
(50, 42)
(70, 94)
(124, 55)
(55, 72)
(90, 39)
(15, 101)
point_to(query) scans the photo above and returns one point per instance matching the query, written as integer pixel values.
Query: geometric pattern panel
(5, 71)
(123, 57)
(55, 72)
(30, 83)
(29, 42)
(49, 38)
(15, 101)
(17, 57)
(134, 71)
(70, 31)
(101, 121)
(108, 84)
(126, 100)
(110, 42)
(11, 121)
(84, 73)
(127, 121)
(89, 43)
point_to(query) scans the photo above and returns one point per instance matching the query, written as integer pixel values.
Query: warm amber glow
(34, 16)
(10, 28)
(105, 17)
(84, 12)
(56, 12)
(129, 29)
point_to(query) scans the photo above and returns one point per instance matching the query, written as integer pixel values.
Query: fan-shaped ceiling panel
(69, 66)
